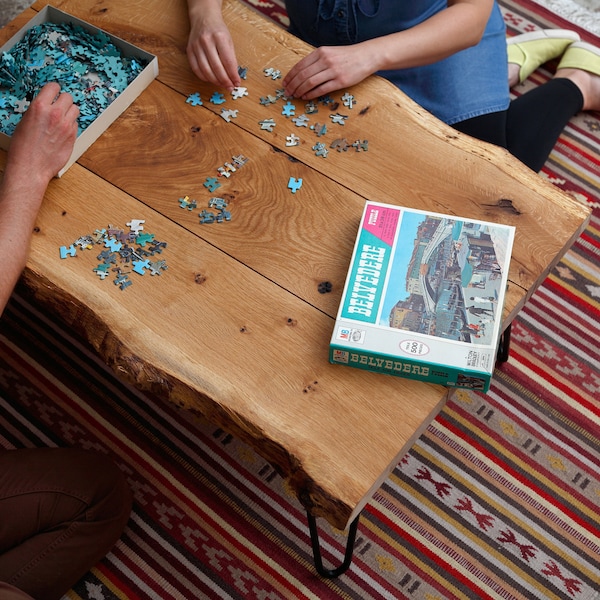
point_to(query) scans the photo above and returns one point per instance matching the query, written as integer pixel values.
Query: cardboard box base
(113, 110)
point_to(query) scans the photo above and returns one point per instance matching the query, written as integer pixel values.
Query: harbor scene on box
(423, 297)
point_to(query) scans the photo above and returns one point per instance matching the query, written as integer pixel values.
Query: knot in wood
(311, 387)
(507, 205)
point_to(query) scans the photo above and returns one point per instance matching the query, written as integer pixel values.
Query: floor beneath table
(584, 13)
(9, 9)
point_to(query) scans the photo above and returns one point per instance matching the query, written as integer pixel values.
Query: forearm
(17, 220)
(40, 146)
(204, 9)
(455, 28)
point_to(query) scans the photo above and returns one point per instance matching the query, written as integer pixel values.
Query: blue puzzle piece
(140, 266)
(288, 110)
(194, 99)
(294, 184)
(217, 98)
(113, 245)
(211, 184)
(70, 251)
(143, 238)
(107, 256)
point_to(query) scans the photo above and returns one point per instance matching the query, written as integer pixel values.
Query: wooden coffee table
(237, 327)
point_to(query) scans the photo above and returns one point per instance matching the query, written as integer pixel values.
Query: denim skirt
(468, 84)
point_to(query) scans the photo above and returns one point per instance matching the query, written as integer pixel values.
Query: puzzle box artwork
(423, 297)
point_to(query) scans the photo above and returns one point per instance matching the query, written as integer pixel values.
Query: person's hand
(328, 69)
(43, 140)
(211, 52)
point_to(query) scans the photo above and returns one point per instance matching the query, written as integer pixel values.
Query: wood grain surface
(236, 327)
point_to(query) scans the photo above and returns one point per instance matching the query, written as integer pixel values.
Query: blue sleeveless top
(470, 83)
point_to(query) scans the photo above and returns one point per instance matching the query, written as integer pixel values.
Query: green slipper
(583, 56)
(532, 50)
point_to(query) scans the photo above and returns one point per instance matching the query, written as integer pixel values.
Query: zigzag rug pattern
(500, 498)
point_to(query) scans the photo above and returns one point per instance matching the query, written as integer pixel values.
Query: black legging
(531, 125)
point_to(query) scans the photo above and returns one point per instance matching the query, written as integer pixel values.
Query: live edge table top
(236, 328)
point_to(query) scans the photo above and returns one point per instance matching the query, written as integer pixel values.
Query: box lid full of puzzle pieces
(423, 297)
(103, 73)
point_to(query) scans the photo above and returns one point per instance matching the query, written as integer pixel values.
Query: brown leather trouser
(61, 511)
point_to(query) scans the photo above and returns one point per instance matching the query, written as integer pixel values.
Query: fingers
(48, 93)
(313, 76)
(71, 119)
(212, 58)
(214, 68)
(223, 64)
(60, 108)
(64, 102)
(51, 95)
(303, 76)
(312, 86)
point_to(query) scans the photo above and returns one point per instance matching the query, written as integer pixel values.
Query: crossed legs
(61, 511)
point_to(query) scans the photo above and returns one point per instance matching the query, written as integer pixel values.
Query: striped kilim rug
(499, 499)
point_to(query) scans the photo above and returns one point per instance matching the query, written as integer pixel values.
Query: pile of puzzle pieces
(290, 112)
(208, 216)
(124, 252)
(211, 184)
(86, 65)
(226, 170)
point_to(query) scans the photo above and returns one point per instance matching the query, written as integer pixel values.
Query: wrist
(204, 10)
(24, 183)
(380, 56)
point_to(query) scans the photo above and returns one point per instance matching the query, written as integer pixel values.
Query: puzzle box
(423, 297)
(87, 137)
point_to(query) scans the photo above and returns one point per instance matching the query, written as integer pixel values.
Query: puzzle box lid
(423, 296)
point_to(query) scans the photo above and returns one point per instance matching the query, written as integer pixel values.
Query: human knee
(93, 479)
(112, 498)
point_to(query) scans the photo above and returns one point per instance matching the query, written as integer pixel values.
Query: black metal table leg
(504, 345)
(316, 546)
